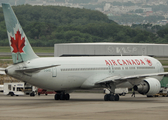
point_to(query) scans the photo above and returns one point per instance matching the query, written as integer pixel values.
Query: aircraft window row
(117, 68)
(131, 67)
(83, 69)
(145, 67)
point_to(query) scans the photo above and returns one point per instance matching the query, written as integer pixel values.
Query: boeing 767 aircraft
(65, 74)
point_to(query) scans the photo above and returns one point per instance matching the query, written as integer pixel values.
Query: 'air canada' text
(128, 62)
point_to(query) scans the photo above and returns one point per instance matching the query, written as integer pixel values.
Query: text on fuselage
(129, 62)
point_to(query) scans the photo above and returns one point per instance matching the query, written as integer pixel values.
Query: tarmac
(82, 106)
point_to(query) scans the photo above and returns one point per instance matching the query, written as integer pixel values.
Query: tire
(11, 93)
(112, 98)
(67, 96)
(57, 96)
(116, 97)
(106, 97)
(32, 94)
(62, 97)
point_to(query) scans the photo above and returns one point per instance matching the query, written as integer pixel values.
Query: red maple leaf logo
(148, 61)
(17, 43)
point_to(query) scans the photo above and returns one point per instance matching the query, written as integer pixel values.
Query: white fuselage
(83, 72)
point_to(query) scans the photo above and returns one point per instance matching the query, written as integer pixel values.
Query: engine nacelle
(149, 86)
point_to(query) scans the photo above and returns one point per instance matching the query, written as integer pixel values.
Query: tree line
(47, 25)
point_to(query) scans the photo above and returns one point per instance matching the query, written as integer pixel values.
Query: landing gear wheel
(32, 94)
(67, 96)
(57, 96)
(106, 97)
(112, 98)
(116, 97)
(62, 97)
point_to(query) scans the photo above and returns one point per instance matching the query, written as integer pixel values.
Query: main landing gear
(112, 96)
(62, 96)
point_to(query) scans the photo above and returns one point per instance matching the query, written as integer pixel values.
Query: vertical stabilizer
(20, 46)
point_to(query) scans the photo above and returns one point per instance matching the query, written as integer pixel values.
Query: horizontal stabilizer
(2, 69)
(35, 69)
(2, 73)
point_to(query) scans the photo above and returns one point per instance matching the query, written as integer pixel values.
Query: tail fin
(20, 46)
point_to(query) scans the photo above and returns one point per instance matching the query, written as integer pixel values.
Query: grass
(166, 69)
(6, 57)
(5, 63)
(6, 49)
(43, 49)
(164, 62)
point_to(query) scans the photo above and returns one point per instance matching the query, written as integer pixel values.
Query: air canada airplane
(65, 74)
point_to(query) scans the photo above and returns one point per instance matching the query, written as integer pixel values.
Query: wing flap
(109, 79)
(2, 69)
(35, 69)
(119, 79)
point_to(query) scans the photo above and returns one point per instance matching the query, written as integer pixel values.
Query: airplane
(66, 74)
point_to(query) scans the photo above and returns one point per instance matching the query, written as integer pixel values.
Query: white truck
(1, 88)
(14, 89)
(18, 88)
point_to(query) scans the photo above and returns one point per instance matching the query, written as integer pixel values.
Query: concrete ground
(82, 106)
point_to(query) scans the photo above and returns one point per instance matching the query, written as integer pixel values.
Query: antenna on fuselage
(121, 53)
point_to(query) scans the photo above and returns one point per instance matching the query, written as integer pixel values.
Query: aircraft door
(54, 72)
(111, 69)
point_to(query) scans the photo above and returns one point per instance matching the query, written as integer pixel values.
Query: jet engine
(149, 86)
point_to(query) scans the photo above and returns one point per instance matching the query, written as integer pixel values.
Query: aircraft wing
(30, 70)
(119, 79)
